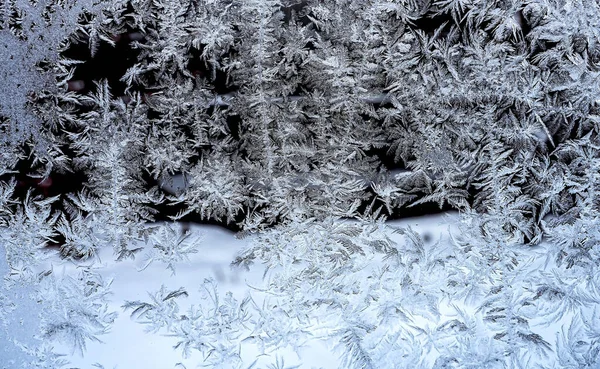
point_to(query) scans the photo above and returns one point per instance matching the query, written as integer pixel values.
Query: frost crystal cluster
(305, 124)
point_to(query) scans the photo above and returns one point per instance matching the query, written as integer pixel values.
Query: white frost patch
(129, 345)
(132, 344)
